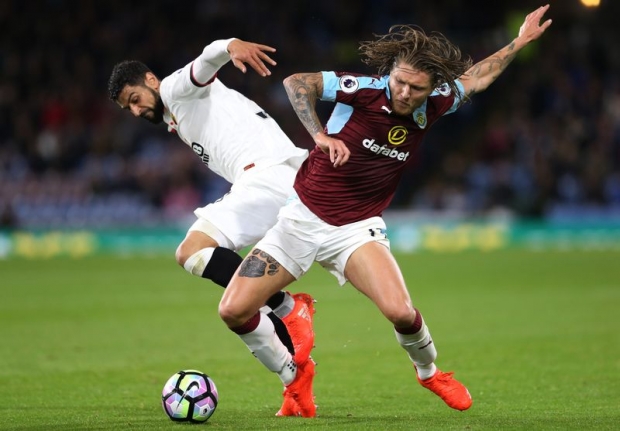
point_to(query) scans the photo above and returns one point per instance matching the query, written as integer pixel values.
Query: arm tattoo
(255, 265)
(491, 67)
(303, 90)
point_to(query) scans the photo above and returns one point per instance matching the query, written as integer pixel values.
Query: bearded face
(142, 101)
(155, 112)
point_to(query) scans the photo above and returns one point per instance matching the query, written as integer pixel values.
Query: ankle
(288, 372)
(426, 371)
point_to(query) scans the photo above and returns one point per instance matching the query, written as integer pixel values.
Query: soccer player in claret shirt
(239, 141)
(349, 179)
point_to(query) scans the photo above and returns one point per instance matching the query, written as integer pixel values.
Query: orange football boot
(289, 406)
(298, 395)
(299, 325)
(450, 390)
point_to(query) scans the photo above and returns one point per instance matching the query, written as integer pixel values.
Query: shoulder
(349, 82)
(444, 91)
(342, 84)
(445, 100)
(169, 81)
(180, 85)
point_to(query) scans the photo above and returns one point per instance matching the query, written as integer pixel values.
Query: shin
(259, 335)
(418, 344)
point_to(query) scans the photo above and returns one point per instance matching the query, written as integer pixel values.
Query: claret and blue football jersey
(381, 144)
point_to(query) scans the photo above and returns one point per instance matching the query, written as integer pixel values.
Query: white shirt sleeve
(213, 57)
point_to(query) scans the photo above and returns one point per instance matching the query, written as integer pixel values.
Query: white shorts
(301, 238)
(250, 208)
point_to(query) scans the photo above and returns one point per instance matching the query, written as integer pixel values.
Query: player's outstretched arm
(219, 52)
(484, 73)
(303, 90)
(254, 54)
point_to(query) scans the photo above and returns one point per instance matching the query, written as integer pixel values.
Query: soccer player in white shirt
(239, 141)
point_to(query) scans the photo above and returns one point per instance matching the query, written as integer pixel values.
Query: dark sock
(276, 300)
(413, 329)
(282, 332)
(248, 326)
(222, 266)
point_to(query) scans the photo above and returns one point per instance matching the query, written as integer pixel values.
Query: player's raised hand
(337, 150)
(532, 29)
(254, 54)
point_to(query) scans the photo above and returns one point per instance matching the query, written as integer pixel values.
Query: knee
(231, 314)
(182, 253)
(401, 316)
(193, 243)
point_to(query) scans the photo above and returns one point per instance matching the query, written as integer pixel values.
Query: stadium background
(540, 148)
(88, 343)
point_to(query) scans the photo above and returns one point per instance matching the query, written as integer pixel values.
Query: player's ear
(151, 80)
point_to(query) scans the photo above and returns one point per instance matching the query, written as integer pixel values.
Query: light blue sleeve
(348, 84)
(458, 98)
(330, 86)
(445, 91)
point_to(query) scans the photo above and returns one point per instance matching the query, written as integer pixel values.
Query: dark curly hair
(128, 72)
(433, 54)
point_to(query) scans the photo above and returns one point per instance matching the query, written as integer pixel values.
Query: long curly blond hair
(432, 53)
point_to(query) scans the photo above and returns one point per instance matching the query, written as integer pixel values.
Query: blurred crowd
(542, 142)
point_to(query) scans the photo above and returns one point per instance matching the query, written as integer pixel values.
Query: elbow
(291, 84)
(288, 81)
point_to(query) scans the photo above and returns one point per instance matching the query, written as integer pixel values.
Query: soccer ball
(189, 396)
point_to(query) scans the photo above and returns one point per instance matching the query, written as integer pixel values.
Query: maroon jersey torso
(381, 145)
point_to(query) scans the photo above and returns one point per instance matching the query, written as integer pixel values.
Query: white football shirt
(228, 131)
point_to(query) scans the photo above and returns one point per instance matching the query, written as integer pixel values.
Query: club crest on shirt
(420, 119)
(348, 84)
(397, 135)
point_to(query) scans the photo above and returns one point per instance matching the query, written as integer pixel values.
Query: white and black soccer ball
(189, 396)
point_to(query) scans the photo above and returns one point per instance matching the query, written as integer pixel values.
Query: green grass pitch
(88, 344)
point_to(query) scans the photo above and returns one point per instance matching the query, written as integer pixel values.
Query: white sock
(286, 307)
(288, 373)
(197, 262)
(267, 348)
(426, 371)
(421, 351)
